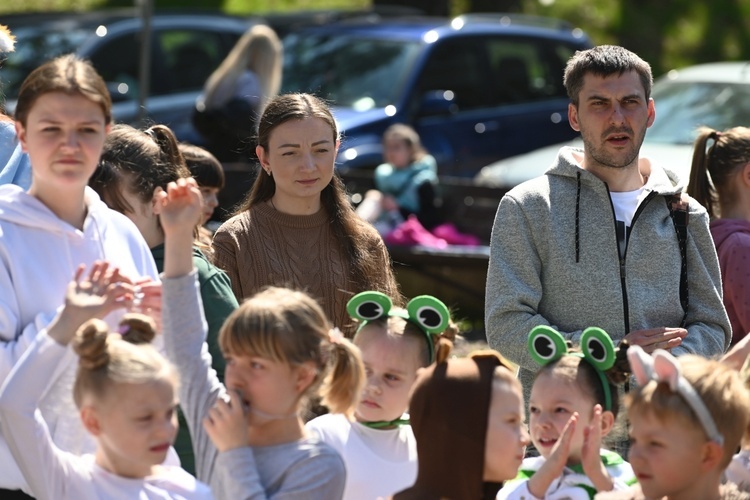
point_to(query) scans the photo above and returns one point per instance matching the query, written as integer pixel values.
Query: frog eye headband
(547, 345)
(425, 311)
(664, 368)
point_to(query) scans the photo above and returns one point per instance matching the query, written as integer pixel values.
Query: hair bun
(137, 328)
(90, 344)
(620, 371)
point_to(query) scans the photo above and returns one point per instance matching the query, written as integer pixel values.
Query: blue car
(477, 88)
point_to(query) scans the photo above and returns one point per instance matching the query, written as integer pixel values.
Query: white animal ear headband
(664, 368)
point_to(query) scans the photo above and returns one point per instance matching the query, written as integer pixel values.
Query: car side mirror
(437, 102)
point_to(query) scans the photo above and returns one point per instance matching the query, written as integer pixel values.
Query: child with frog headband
(379, 448)
(572, 406)
(687, 418)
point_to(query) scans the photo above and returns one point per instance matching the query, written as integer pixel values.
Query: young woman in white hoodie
(62, 115)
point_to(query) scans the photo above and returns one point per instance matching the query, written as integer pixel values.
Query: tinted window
(681, 107)
(359, 72)
(527, 70)
(34, 47)
(190, 56)
(459, 66)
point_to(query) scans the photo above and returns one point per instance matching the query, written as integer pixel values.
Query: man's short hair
(604, 61)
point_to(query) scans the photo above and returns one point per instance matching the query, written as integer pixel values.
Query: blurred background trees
(667, 33)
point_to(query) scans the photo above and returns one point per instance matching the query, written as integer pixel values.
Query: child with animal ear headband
(379, 448)
(573, 405)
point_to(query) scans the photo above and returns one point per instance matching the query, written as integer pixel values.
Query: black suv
(477, 88)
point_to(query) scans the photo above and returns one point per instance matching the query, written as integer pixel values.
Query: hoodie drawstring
(578, 213)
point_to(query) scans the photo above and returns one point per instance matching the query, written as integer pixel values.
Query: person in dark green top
(133, 164)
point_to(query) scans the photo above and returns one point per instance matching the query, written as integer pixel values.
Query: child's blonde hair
(126, 357)
(397, 326)
(289, 326)
(716, 384)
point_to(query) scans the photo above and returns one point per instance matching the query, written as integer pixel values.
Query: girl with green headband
(378, 447)
(572, 407)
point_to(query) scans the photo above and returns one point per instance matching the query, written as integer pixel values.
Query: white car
(716, 95)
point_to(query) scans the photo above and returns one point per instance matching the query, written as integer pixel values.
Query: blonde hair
(396, 326)
(107, 358)
(289, 326)
(258, 50)
(718, 386)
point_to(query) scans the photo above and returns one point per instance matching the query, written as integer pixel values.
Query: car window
(190, 56)
(527, 70)
(34, 47)
(361, 73)
(459, 66)
(682, 107)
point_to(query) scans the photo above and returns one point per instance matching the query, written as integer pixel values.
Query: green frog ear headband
(547, 345)
(425, 311)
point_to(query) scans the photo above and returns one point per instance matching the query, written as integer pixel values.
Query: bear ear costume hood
(449, 411)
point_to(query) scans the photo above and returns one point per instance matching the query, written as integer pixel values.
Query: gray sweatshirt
(554, 260)
(305, 469)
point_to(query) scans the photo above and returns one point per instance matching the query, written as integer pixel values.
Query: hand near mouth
(555, 463)
(226, 424)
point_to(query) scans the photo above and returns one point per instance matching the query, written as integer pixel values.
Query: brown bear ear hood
(449, 409)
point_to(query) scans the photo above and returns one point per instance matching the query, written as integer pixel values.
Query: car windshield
(682, 107)
(34, 47)
(362, 73)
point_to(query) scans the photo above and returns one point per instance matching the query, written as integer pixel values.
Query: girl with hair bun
(248, 435)
(126, 393)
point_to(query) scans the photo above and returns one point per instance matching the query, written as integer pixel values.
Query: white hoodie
(39, 254)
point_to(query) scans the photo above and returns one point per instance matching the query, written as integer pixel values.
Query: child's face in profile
(665, 455)
(210, 202)
(507, 436)
(397, 152)
(553, 400)
(391, 364)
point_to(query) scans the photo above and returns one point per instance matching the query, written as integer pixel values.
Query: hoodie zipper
(623, 257)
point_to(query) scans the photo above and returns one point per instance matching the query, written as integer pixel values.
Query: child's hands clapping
(226, 424)
(554, 465)
(92, 296)
(590, 459)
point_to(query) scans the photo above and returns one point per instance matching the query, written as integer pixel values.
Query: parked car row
(477, 88)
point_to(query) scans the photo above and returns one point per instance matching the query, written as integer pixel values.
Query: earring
(268, 172)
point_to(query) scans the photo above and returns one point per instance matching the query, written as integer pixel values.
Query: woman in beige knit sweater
(296, 227)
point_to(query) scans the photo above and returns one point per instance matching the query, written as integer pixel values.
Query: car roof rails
(507, 19)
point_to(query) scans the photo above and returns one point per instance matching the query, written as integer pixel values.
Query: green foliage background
(667, 33)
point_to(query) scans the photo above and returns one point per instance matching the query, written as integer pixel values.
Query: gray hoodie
(554, 260)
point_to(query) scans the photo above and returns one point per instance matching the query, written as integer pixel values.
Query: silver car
(716, 95)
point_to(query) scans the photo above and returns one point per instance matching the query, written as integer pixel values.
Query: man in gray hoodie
(593, 243)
